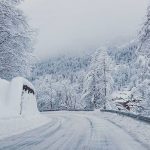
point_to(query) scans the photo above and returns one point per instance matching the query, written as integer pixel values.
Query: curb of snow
(138, 117)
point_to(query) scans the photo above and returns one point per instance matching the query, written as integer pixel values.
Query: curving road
(73, 131)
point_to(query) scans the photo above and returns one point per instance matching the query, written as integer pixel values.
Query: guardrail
(138, 117)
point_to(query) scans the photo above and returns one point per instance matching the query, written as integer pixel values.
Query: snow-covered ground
(17, 97)
(139, 130)
(17, 125)
(83, 131)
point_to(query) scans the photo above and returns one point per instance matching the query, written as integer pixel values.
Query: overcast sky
(74, 26)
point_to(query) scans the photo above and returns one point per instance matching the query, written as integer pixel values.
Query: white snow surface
(17, 125)
(14, 101)
(83, 131)
(3, 93)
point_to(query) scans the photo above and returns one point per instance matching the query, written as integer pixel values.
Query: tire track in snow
(143, 144)
(73, 131)
(30, 138)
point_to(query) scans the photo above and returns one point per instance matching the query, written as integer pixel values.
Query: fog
(77, 26)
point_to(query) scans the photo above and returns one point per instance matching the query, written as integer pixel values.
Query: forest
(115, 78)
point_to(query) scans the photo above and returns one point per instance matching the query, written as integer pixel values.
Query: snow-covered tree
(132, 71)
(144, 49)
(88, 91)
(142, 65)
(59, 82)
(98, 82)
(144, 35)
(121, 75)
(15, 41)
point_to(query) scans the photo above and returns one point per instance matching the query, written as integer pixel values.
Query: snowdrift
(17, 98)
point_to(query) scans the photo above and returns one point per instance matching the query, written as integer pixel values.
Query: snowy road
(74, 131)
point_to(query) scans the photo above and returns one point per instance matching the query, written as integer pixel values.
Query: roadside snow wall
(17, 98)
(4, 85)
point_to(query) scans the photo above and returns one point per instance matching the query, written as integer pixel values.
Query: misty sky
(74, 26)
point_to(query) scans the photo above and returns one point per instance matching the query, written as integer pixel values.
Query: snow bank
(3, 93)
(139, 130)
(18, 108)
(13, 126)
(14, 100)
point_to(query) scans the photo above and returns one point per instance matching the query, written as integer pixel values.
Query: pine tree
(143, 52)
(98, 80)
(144, 35)
(142, 65)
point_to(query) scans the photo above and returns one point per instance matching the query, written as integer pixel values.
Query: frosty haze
(73, 27)
(116, 78)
